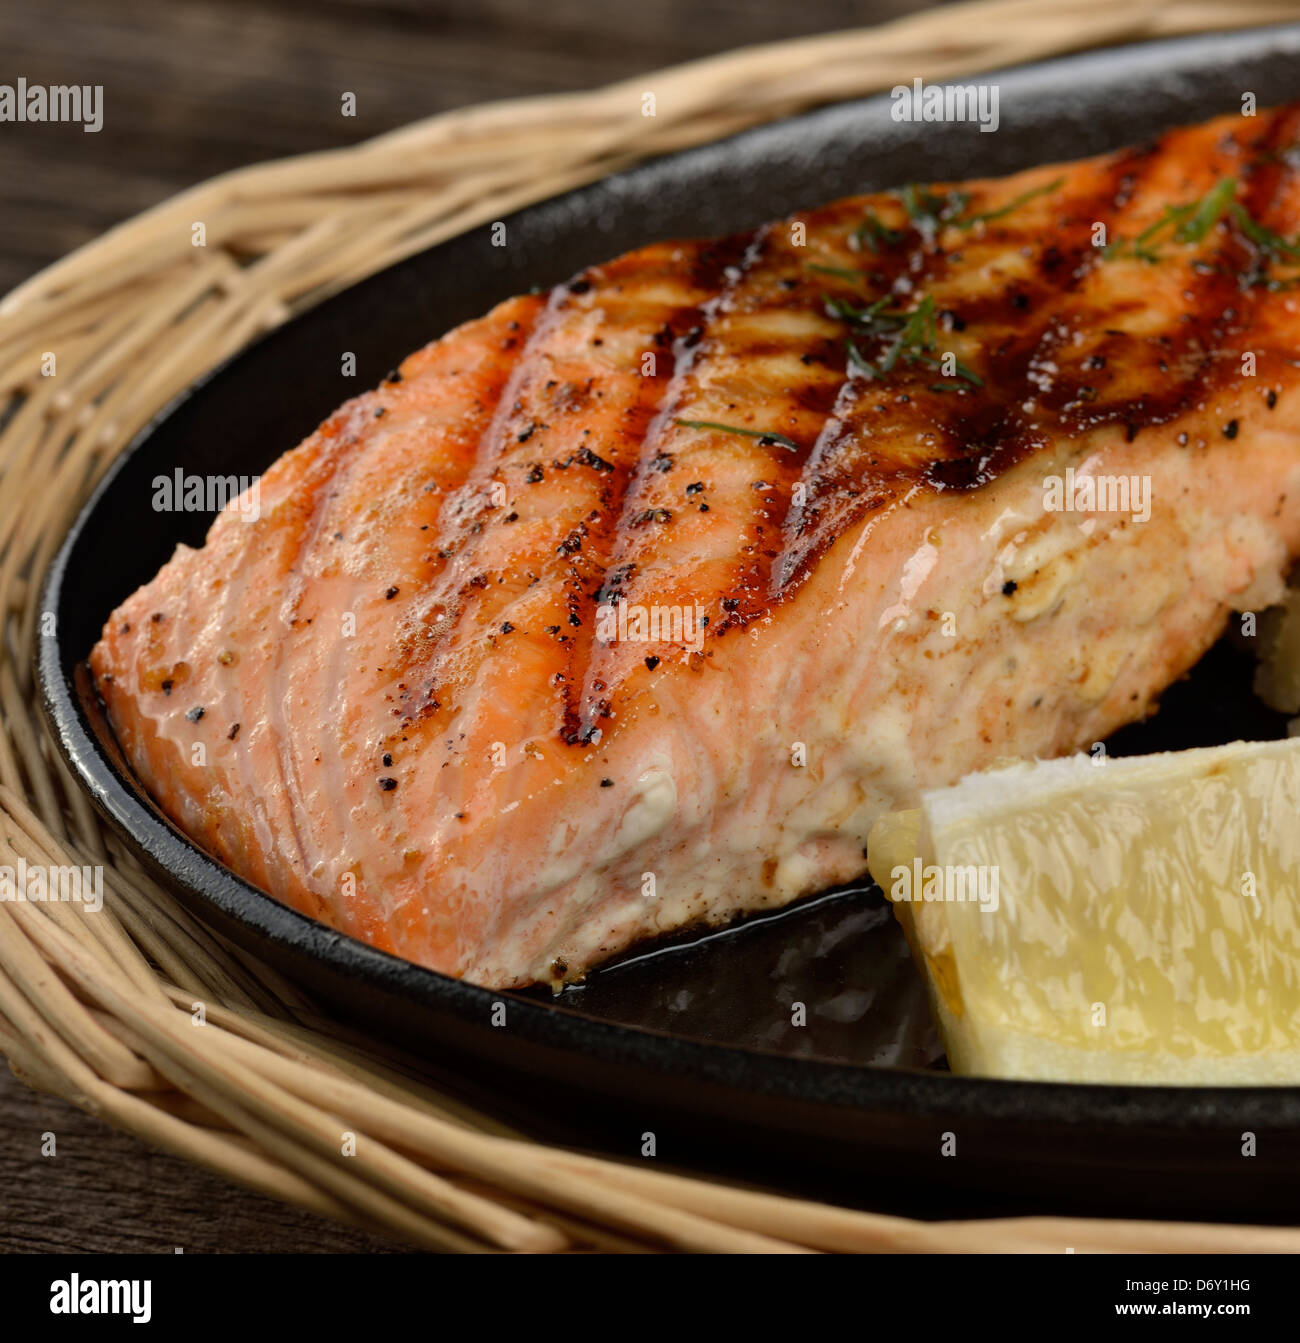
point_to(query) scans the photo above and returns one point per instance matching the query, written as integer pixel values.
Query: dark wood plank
(196, 87)
(106, 1192)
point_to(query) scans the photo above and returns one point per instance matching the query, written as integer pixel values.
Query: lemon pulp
(1133, 920)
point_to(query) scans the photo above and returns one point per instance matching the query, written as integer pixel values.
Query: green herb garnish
(1192, 222)
(1263, 238)
(873, 234)
(971, 220)
(842, 272)
(737, 429)
(850, 312)
(911, 336)
(960, 369)
(1270, 249)
(1214, 205)
(930, 210)
(919, 330)
(860, 361)
(1187, 223)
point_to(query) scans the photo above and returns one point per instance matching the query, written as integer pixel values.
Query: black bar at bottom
(376, 1292)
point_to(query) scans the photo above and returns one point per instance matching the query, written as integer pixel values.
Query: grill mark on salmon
(436, 751)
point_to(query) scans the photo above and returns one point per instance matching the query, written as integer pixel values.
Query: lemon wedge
(1134, 920)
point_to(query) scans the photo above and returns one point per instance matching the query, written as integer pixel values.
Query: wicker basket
(100, 1010)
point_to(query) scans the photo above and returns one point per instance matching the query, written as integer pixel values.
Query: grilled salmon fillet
(634, 603)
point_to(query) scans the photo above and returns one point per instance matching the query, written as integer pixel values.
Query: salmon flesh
(632, 604)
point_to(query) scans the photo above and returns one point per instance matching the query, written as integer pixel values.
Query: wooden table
(192, 88)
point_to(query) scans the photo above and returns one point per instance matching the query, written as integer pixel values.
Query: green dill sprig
(1192, 221)
(910, 337)
(840, 272)
(969, 221)
(1187, 223)
(850, 312)
(1264, 238)
(1212, 207)
(930, 210)
(764, 437)
(1270, 250)
(872, 234)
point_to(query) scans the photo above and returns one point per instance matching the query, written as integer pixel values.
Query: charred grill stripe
(715, 269)
(970, 438)
(836, 491)
(452, 579)
(785, 467)
(996, 435)
(1271, 173)
(594, 566)
(1189, 362)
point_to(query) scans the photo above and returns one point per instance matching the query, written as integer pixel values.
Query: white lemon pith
(1140, 919)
